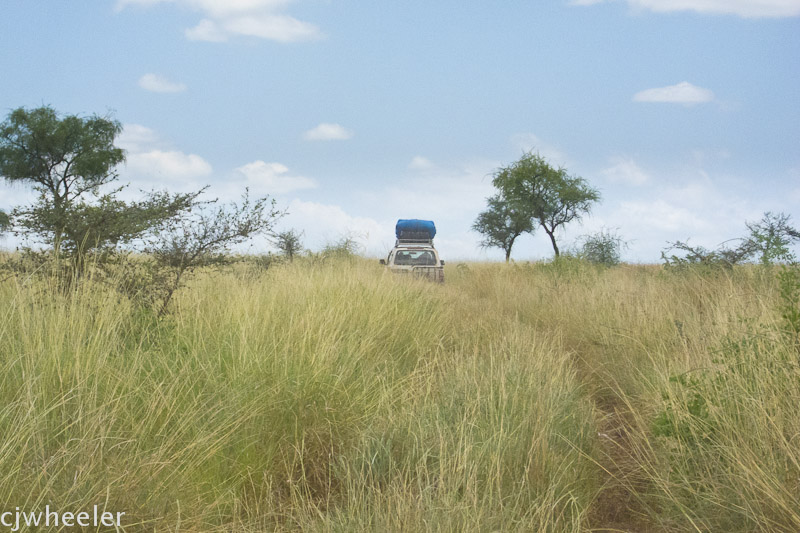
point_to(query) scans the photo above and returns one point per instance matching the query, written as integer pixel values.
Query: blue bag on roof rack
(415, 229)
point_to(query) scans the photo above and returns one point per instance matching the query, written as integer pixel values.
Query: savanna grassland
(337, 397)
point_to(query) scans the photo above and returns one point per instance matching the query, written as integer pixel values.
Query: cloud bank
(149, 161)
(272, 178)
(223, 19)
(625, 170)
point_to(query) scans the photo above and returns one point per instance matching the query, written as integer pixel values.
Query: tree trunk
(552, 236)
(508, 248)
(170, 291)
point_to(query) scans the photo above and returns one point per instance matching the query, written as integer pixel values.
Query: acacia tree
(71, 162)
(501, 224)
(772, 237)
(548, 196)
(63, 158)
(290, 243)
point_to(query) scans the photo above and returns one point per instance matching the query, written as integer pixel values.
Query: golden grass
(339, 398)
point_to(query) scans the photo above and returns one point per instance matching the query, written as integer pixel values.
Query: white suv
(417, 259)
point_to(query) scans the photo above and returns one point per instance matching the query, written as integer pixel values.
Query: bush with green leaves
(680, 255)
(203, 237)
(769, 241)
(347, 247)
(771, 238)
(603, 248)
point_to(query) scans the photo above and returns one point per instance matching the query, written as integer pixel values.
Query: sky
(685, 114)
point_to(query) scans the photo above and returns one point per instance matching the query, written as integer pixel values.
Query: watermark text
(14, 520)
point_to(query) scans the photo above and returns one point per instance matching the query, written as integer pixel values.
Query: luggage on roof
(415, 229)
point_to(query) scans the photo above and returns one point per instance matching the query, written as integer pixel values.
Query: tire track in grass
(619, 505)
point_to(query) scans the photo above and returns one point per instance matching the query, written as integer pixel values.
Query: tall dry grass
(327, 398)
(696, 385)
(335, 397)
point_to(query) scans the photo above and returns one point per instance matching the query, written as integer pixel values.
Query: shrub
(603, 248)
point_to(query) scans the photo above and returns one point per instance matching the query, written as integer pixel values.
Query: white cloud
(325, 223)
(281, 28)
(136, 138)
(151, 162)
(443, 194)
(420, 163)
(625, 170)
(663, 216)
(252, 18)
(706, 210)
(451, 197)
(160, 84)
(223, 8)
(741, 8)
(206, 30)
(682, 93)
(328, 132)
(170, 165)
(272, 178)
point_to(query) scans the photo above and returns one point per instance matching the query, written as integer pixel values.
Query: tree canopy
(501, 224)
(62, 158)
(549, 197)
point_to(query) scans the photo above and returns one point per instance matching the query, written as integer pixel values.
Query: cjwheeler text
(15, 519)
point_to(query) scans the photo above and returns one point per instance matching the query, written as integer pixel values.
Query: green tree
(71, 162)
(772, 236)
(5, 222)
(289, 243)
(63, 158)
(501, 224)
(548, 196)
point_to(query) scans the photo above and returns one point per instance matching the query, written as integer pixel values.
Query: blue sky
(684, 113)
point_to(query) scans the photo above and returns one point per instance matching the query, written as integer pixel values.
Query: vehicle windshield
(415, 258)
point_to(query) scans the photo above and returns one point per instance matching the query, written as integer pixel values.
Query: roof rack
(413, 241)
